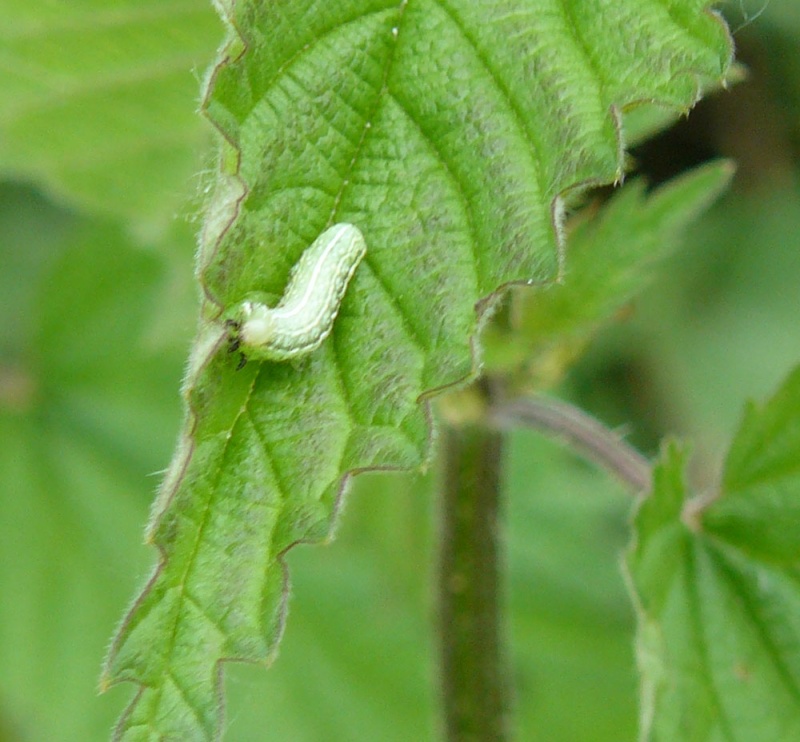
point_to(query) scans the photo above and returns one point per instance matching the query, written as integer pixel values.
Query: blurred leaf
(572, 624)
(359, 634)
(446, 134)
(98, 100)
(610, 259)
(759, 510)
(32, 231)
(717, 590)
(782, 13)
(86, 413)
(724, 308)
(361, 615)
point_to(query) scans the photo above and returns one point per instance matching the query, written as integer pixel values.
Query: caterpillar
(304, 316)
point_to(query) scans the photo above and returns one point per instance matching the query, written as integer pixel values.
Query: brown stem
(474, 677)
(586, 434)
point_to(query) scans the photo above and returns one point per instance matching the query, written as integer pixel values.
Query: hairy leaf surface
(719, 604)
(448, 132)
(610, 257)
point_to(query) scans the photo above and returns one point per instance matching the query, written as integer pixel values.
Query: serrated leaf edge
(222, 211)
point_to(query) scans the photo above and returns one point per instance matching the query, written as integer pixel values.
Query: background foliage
(92, 354)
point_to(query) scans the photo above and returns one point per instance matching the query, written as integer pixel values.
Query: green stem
(473, 673)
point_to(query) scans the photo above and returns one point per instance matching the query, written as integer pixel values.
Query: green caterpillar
(304, 316)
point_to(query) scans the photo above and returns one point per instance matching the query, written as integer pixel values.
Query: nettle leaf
(760, 510)
(447, 133)
(98, 100)
(610, 257)
(85, 411)
(718, 589)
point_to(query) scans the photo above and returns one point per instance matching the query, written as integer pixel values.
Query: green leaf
(759, 510)
(360, 615)
(98, 100)
(717, 589)
(570, 622)
(446, 133)
(86, 412)
(610, 258)
(727, 309)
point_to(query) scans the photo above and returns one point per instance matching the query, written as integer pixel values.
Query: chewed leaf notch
(445, 133)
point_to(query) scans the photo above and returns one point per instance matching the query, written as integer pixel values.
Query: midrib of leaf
(268, 448)
(727, 662)
(694, 553)
(756, 619)
(365, 131)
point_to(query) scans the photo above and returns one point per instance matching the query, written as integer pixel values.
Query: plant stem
(584, 433)
(474, 677)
